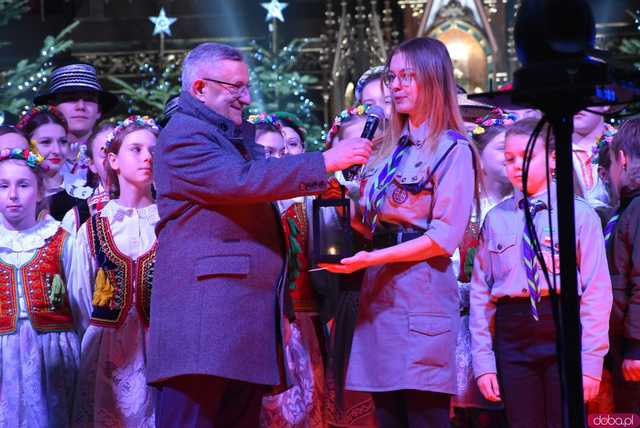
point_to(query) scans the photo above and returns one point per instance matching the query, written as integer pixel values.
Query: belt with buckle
(389, 239)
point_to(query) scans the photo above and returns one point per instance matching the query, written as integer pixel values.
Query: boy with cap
(75, 90)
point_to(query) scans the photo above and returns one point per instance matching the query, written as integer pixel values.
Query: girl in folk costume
(347, 408)
(488, 137)
(372, 91)
(47, 131)
(470, 407)
(40, 320)
(349, 123)
(301, 405)
(415, 207)
(96, 177)
(293, 131)
(269, 135)
(115, 260)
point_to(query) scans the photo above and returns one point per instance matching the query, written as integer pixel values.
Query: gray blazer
(216, 305)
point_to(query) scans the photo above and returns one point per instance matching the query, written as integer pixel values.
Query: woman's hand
(488, 385)
(361, 260)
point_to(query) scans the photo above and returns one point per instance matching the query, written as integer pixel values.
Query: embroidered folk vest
(118, 277)
(43, 287)
(294, 223)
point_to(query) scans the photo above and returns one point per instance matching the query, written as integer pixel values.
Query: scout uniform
(502, 310)
(405, 337)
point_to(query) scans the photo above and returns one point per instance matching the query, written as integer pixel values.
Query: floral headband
(27, 117)
(342, 117)
(368, 76)
(496, 117)
(144, 121)
(265, 118)
(605, 139)
(291, 121)
(33, 149)
(33, 160)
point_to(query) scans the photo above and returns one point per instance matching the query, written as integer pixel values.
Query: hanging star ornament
(274, 10)
(162, 23)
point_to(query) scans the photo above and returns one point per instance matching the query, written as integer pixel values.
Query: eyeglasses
(405, 77)
(238, 90)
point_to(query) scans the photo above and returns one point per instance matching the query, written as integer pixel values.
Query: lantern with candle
(333, 237)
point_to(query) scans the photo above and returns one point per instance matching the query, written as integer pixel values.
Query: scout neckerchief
(529, 258)
(610, 227)
(384, 178)
(381, 182)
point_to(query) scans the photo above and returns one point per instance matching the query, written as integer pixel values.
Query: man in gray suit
(216, 324)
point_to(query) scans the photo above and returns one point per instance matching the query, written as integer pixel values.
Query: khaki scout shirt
(498, 272)
(440, 208)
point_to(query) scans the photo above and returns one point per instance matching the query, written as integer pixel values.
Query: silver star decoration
(274, 10)
(162, 23)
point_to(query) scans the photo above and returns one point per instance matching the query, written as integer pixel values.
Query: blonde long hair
(436, 88)
(437, 97)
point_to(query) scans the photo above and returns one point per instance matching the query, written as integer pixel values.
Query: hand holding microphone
(354, 152)
(375, 115)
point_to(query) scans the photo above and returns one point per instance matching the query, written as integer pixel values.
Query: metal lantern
(332, 233)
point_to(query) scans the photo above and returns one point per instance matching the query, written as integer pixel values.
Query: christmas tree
(18, 85)
(278, 86)
(148, 95)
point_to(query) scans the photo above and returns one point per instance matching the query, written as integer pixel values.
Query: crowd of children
(77, 255)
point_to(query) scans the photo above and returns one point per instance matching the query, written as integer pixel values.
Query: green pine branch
(631, 47)
(12, 9)
(146, 98)
(19, 85)
(279, 86)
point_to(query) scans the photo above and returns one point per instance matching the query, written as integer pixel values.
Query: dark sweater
(623, 255)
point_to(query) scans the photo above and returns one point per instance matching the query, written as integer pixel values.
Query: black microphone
(375, 114)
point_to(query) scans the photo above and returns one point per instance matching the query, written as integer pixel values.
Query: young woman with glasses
(415, 205)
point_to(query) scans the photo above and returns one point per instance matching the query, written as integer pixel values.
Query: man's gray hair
(206, 55)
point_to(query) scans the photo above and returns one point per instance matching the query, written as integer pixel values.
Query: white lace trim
(29, 239)
(114, 212)
(76, 184)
